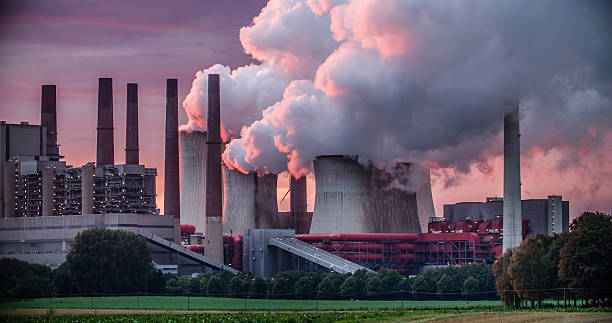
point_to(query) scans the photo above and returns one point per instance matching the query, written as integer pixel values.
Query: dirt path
(523, 317)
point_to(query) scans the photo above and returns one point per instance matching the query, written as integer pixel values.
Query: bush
(305, 287)
(424, 287)
(349, 288)
(258, 288)
(237, 287)
(327, 289)
(214, 287)
(449, 288)
(471, 287)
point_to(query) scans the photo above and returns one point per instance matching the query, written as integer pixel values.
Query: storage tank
(192, 161)
(239, 212)
(342, 194)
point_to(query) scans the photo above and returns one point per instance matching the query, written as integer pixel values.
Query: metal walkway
(169, 245)
(316, 255)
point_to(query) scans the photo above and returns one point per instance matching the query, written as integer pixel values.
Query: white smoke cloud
(412, 80)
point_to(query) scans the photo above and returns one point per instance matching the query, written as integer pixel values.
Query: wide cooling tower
(342, 196)
(249, 201)
(193, 178)
(352, 198)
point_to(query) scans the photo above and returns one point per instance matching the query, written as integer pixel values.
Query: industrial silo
(239, 211)
(193, 178)
(342, 196)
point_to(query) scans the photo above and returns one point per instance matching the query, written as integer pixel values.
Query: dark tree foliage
(470, 288)
(258, 288)
(282, 288)
(389, 282)
(157, 282)
(214, 287)
(374, 288)
(349, 288)
(110, 261)
(327, 289)
(586, 257)
(503, 281)
(306, 287)
(237, 287)
(361, 278)
(23, 280)
(449, 287)
(424, 287)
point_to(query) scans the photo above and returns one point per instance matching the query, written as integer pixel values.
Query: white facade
(192, 163)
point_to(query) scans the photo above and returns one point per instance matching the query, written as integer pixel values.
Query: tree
(389, 282)
(470, 288)
(424, 287)
(110, 261)
(530, 268)
(374, 289)
(21, 279)
(306, 287)
(64, 281)
(586, 257)
(327, 289)
(449, 287)
(157, 282)
(214, 287)
(361, 278)
(281, 288)
(258, 288)
(349, 288)
(237, 287)
(503, 281)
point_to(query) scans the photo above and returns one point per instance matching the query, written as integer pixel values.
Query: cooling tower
(48, 119)
(299, 214)
(352, 198)
(171, 166)
(214, 193)
(393, 200)
(512, 229)
(239, 203)
(342, 193)
(131, 125)
(105, 149)
(267, 203)
(193, 178)
(87, 188)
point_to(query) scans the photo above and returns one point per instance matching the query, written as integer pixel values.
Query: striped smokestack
(48, 119)
(512, 226)
(131, 125)
(105, 152)
(299, 216)
(214, 193)
(171, 164)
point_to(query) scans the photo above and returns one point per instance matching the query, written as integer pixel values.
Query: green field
(232, 304)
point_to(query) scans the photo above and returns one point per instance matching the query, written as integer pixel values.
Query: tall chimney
(131, 125)
(512, 226)
(171, 160)
(214, 197)
(48, 119)
(105, 153)
(299, 215)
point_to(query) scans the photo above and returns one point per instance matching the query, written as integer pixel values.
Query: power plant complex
(365, 216)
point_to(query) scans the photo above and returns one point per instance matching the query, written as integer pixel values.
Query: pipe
(376, 247)
(48, 119)
(358, 236)
(105, 149)
(131, 125)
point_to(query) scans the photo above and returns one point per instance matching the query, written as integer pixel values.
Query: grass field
(232, 304)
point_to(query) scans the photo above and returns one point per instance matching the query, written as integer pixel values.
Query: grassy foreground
(233, 304)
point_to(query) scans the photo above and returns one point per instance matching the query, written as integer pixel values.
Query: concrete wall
(239, 209)
(263, 260)
(193, 178)
(512, 177)
(46, 240)
(267, 203)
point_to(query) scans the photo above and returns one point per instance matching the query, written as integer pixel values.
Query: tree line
(565, 266)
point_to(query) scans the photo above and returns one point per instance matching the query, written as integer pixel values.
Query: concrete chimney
(105, 152)
(48, 119)
(131, 125)
(171, 158)
(512, 234)
(214, 192)
(298, 199)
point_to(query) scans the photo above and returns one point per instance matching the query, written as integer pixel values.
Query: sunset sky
(319, 66)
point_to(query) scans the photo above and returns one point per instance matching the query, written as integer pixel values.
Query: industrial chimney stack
(299, 215)
(512, 226)
(131, 125)
(105, 144)
(171, 164)
(48, 119)
(214, 193)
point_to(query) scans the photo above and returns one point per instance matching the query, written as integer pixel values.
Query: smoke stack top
(48, 119)
(105, 141)
(131, 131)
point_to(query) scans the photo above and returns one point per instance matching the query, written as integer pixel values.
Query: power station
(365, 216)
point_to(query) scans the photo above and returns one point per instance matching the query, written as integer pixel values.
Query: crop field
(235, 304)
(373, 316)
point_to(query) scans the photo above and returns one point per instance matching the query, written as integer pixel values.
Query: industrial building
(192, 161)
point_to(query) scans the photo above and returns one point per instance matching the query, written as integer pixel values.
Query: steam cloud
(417, 80)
